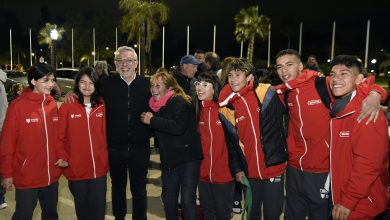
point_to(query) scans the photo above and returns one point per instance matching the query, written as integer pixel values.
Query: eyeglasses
(127, 61)
(201, 83)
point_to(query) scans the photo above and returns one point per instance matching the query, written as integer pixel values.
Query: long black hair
(95, 97)
(206, 77)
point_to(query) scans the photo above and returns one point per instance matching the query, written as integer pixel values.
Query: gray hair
(102, 64)
(125, 48)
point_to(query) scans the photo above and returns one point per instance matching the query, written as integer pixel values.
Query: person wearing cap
(186, 72)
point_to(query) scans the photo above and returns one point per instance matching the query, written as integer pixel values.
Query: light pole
(54, 37)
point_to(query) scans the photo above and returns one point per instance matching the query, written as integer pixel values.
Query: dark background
(201, 15)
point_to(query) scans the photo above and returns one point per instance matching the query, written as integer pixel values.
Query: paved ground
(66, 206)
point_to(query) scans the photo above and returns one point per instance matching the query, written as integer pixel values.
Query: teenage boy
(307, 173)
(267, 183)
(359, 153)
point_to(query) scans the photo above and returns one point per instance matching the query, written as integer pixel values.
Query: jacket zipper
(211, 146)
(90, 141)
(254, 134)
(47, 140)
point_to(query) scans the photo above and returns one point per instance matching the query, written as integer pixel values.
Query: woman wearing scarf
(180, 149)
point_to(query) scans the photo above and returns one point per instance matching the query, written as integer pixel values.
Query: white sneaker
(3, 206)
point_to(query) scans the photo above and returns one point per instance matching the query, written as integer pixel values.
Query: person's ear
(300, 67)
(359, 78)
(33, 82)
(249, 77)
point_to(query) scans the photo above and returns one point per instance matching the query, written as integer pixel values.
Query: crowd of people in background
(295, 141)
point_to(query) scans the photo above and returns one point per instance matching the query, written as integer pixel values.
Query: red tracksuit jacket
(359, 161)
(28, 141)
(247, 116)
(82, 141)
(308, 140)
(214, 167)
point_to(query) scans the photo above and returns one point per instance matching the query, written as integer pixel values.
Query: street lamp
(54, 37)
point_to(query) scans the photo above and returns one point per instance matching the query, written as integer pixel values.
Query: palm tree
(44, 38)
(249, 25)
(141, 17)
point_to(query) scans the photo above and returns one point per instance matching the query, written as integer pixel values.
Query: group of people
(322, 141)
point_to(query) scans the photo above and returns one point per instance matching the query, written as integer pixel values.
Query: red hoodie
(308, 140)
(214, 167)
(247, 116)
(28, 141)
(82, 140)
(359, 159)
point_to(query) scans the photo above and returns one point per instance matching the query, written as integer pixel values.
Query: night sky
(201, 15)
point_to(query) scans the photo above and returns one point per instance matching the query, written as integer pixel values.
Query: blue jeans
(184, 179)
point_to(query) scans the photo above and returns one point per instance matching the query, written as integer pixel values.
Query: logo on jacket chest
(314, 102)
(99, 114)
(75, 116)
(31, 120)
(238, 119)
(344, 134)
(55, 119)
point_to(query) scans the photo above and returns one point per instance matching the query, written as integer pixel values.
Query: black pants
(135, 164)
(89, 198)
(26, 200)
(216, 200)
(307, 194)
(184, 179)
(269, 194)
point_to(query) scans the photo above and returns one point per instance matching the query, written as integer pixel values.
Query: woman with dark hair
(180, 150)
(82, 140)
(216, 186)
(28, 153)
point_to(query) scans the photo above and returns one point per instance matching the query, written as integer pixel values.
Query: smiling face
(343, 80)
(43, 85)
(86, 86)
(126, 62)
(237, 79)
(204, 90)
(158, 89)
(288, 67)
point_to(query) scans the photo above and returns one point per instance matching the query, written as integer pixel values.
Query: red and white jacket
(214, 167)
(28, 141)
(308, 136)
(82, 140)
(247, 117)
(359, 159)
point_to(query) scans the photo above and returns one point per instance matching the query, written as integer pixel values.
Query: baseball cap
(189, 59)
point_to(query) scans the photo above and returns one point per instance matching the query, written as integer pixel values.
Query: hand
(239, 176)
(69, 97)
(146, 116)
(7, 183)
(370, 107)
(339, 212)
(61, 163)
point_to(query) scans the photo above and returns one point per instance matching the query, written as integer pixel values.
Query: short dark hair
(200, 51)
(90, 73)
(239, 64)
(38, 71)
(347, 60)
(288, 52)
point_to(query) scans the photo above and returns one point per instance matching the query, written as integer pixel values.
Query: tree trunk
(251, 47)
(149, 47)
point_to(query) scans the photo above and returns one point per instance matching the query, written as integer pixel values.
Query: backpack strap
(322, 90)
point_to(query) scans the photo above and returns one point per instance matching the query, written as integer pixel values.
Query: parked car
(65, 79)
(64, 76)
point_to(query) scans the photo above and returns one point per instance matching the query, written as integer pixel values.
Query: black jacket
(176, 132)
(124, 105)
